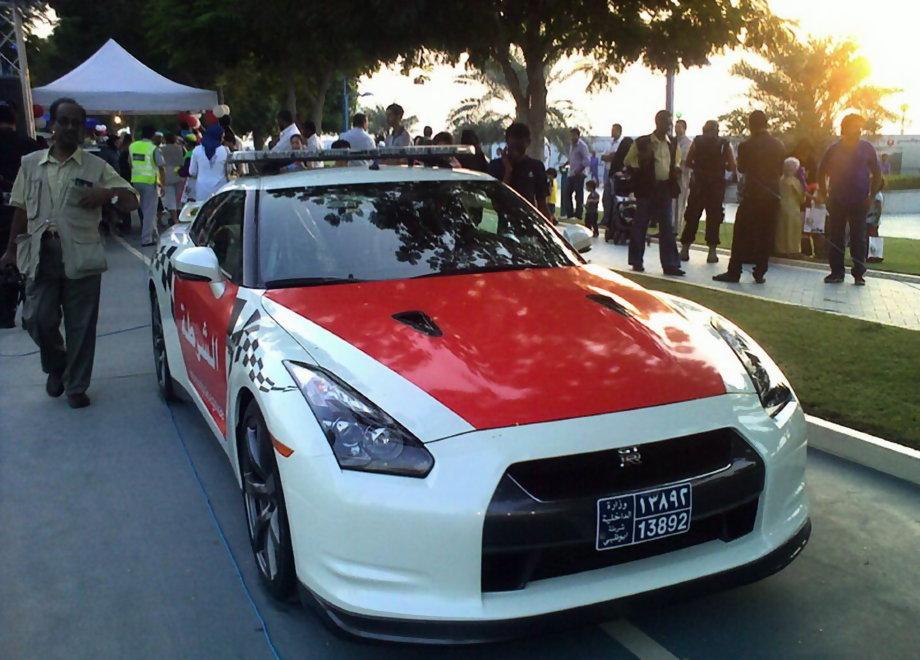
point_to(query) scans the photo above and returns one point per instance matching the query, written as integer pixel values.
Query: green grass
(902, 182)
(902, 255)
(859, 374)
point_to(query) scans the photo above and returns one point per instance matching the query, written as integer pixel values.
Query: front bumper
(476, 632)
(374, 548)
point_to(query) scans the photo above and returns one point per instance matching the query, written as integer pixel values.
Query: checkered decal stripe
(243, 349)
(162, 263)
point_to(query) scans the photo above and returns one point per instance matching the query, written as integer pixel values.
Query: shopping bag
(815, 217)
(876, 248)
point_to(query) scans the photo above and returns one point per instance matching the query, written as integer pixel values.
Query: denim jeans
(839, 215)
(660, 206)
(574, 183)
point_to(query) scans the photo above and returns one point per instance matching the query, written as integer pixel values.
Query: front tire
(160, 357)
(263, 502)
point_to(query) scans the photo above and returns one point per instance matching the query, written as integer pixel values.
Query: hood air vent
(609, 303)
(419, 321)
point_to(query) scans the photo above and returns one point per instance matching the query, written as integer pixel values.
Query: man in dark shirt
(709, 159)
(12, 148)
(855, 176)
(760, 160)
(516, 169)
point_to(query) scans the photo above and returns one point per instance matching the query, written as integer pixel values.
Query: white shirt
(610, 153)
(211, 174)
(401, 139)
(313, 143)
(284, 140)
(684, 143)
(361, 140)
(358, 138)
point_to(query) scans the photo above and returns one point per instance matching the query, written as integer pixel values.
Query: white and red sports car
(448, 427)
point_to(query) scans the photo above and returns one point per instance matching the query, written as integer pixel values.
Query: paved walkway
(885, 301)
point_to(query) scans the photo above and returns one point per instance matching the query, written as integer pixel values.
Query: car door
(202, 309)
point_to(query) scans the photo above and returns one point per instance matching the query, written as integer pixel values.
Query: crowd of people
(670, 177)
(674, 180)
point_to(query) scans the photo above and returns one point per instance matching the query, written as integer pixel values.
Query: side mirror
(197, 264)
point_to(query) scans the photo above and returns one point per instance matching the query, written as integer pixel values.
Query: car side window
(224, 233)
(199, 228)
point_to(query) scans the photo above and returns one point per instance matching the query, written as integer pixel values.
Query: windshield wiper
(483, 269)
(309, 281)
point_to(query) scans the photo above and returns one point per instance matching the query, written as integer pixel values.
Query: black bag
(12, 292)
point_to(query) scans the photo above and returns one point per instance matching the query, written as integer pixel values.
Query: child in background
(591, 206)
(873, 218)
(551, 197)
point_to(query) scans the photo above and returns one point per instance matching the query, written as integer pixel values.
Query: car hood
(520, 347)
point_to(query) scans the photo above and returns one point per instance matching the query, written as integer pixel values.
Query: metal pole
(344, 104)
(22, 68)
(669, 92)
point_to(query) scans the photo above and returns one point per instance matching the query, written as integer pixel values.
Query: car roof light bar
(382, 153)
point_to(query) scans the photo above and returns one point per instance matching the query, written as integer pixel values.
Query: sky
(885, 33)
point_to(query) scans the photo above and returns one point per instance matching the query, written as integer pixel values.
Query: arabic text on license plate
(645, 516)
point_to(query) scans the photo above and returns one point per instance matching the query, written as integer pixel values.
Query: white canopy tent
(114, 81)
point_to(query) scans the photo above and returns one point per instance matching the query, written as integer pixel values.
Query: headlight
(768, 380)
(361, 435)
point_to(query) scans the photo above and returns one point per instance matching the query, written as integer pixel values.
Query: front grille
(600, 473)
(541, 522)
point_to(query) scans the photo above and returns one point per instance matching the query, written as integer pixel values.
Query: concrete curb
(864, 449)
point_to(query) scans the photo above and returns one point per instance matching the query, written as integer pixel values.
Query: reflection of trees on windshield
(438, 226)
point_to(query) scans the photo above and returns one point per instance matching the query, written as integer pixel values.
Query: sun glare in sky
(884, 29)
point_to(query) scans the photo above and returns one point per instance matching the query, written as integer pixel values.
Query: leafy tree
(82, 29)
(304, 45)
(610, 34)
(480, 112)
(806, 86)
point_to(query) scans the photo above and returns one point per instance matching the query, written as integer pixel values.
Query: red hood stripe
(521, 347)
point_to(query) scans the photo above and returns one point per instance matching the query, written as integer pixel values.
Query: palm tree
(484, 115)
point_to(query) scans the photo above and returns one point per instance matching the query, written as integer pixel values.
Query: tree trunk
(258, 139)
(533, 110)
(318, 100)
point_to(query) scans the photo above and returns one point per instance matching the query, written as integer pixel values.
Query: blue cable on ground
(223, 537)
(104, 334)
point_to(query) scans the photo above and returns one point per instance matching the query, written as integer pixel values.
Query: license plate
(645, 516)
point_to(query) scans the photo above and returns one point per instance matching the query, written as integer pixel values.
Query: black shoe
(674, 272)
(54, 386)
(833, 279)
(727, 277)
(859, 280)
(77, 400)
(638, 269)
(759, 279)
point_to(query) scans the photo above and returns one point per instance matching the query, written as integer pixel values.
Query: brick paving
(882, 300)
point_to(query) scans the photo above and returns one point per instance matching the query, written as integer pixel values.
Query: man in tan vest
(58, 196)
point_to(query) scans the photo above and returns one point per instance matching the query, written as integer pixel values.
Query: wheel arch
(244, 397)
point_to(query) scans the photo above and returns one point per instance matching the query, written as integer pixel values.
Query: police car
(446, 426)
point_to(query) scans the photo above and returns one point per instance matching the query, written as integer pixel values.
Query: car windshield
(384, 231)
